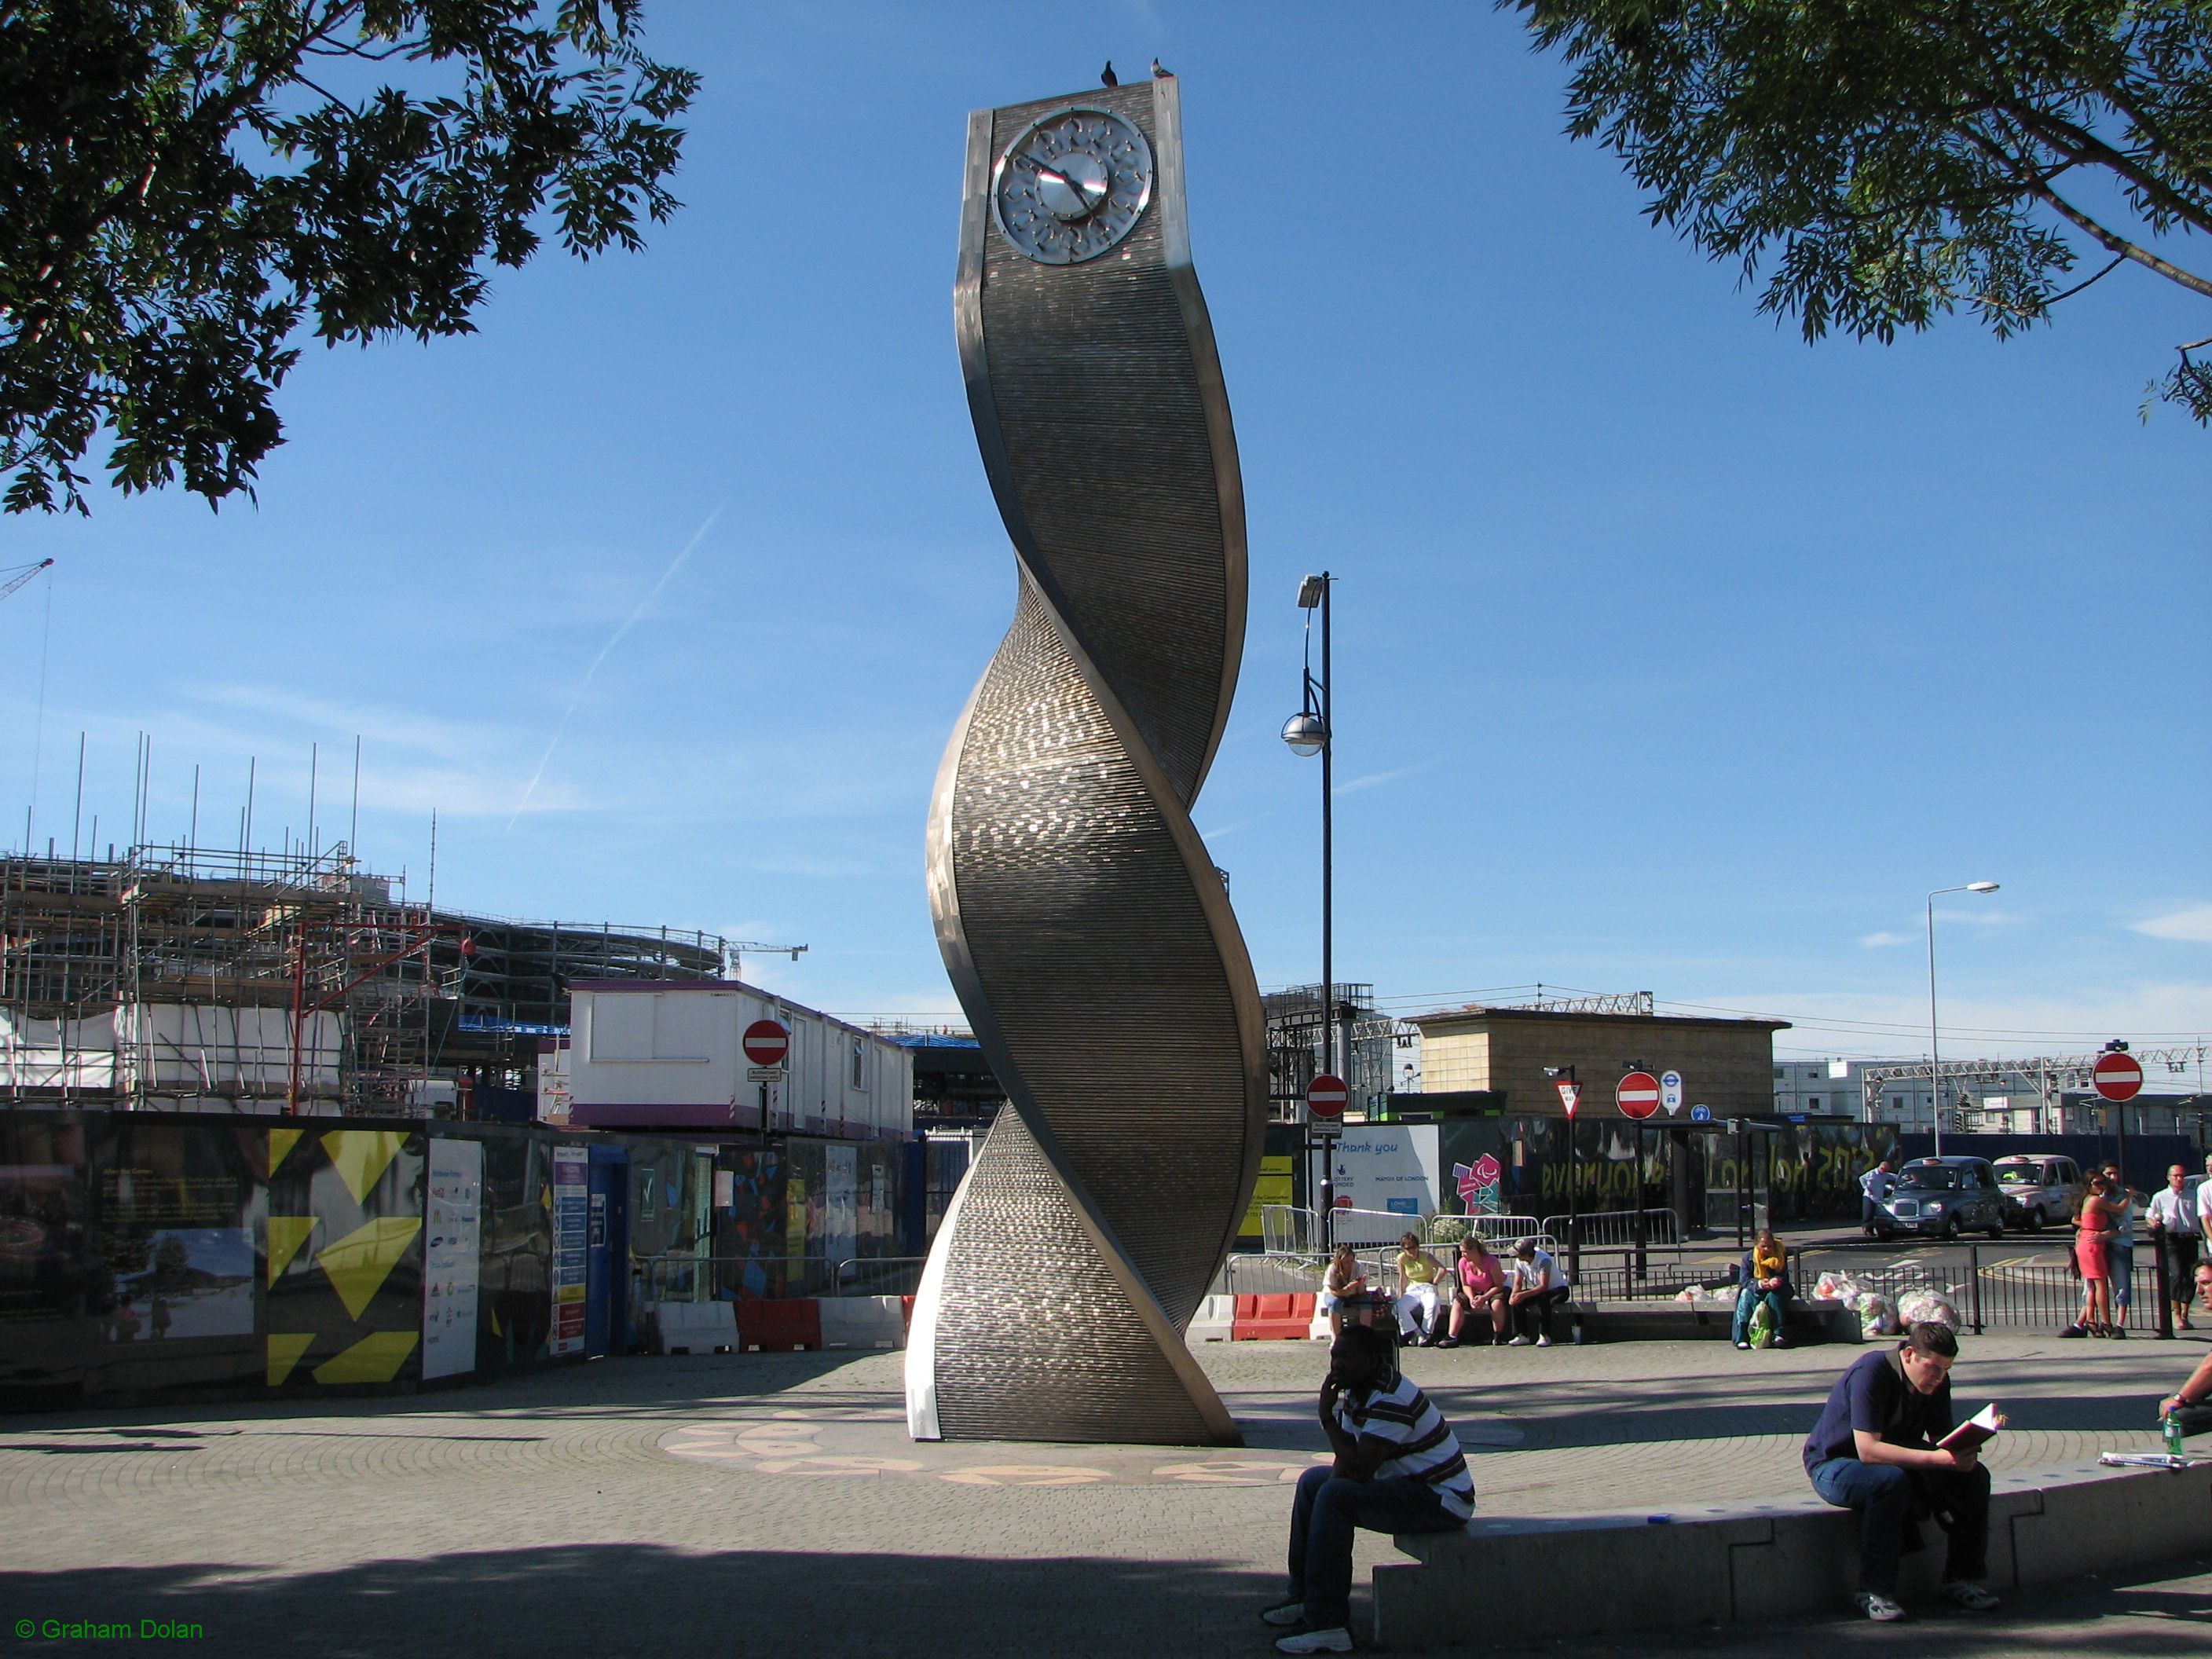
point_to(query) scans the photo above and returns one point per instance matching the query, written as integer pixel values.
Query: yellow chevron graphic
(361, 1261)
(286, 1234)
(281, 1143)
(284, 1353)
(376, 1358)
(359, 1156)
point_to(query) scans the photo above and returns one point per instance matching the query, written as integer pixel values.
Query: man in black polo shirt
(1873, 1450)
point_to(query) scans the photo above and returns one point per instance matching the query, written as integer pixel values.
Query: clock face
(1072, 186)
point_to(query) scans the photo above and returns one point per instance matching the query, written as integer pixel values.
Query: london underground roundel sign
(1636, 1094)
(2118, 1077)
(767, 1043)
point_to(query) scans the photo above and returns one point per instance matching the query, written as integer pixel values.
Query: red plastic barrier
(1279, 1318)
(906, 1311)
(779, 1327)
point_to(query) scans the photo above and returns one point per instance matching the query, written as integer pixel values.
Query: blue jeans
(1884, 1495)
(2121, 1254)
(1746, 1302)
(1327, 1510)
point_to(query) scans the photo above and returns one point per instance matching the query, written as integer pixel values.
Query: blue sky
(1673, 653)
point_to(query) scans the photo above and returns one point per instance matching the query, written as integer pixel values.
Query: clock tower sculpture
(1085, 929)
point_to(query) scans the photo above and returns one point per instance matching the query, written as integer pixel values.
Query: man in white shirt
(1874, 1186)
(1538, 1287)
(2175, 1227)
(2204, 1204)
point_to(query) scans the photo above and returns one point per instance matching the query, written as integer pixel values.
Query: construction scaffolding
(192, 977)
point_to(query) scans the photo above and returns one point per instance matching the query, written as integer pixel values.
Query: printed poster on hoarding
(571, 1228)
(1385, 1171)
(453, 1223)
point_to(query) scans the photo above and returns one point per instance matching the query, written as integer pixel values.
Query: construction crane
(736, 947)
(16, 575)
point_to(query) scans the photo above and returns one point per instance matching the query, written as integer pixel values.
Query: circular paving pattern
(855, 1443)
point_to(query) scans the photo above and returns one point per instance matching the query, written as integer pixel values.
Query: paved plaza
(771, 1505)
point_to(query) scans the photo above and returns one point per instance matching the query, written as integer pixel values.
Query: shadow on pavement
(549, 1603)
(2138, 1615)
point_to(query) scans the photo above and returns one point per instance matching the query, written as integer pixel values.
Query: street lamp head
(1306, 733)
(1310, 590)
(1981, 887)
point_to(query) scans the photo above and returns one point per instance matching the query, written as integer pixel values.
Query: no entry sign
(1637, 1095)
(767, 1043)
(2118, 1077)
(1326, 1095)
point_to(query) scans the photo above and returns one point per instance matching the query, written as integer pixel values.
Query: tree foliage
(185, 184)
(1886, 162)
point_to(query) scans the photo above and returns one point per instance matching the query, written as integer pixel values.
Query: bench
(1792, 1558)
(1810, 1321)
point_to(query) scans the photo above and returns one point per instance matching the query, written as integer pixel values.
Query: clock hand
(1082, 194)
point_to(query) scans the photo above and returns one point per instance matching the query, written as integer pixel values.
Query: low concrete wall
(1520, 1581)
(1684, 1321)
(862, 1322)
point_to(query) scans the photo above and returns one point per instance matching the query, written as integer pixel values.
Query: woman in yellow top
(1419, 1311)
(1765, 1273)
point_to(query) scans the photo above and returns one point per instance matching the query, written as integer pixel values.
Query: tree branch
(2070, 139)
(2115, 243)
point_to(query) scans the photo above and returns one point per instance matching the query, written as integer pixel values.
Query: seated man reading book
(1885, 1446)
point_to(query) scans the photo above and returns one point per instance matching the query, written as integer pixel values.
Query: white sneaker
(1972, 1597)
(1878, 1607)
(1288, 1613)
(1518, 1342)
(1316, 1641)
(1543, 1342)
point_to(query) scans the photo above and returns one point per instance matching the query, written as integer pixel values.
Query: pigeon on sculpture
(1159, 73)
(1107, 77)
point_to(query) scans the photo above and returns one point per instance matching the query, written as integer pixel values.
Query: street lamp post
(1311, 731)
(1934, 1052)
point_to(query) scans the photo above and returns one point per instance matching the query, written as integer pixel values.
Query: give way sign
(1637, 1095)
(2118, 1077)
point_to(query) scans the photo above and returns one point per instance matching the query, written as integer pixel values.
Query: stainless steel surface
(1072, 185)
(1081, 920)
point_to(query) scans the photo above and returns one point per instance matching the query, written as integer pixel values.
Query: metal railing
(1617, 1228)
(711, 1278)
(2016, 1295)
(1492, 1230)
(877, 1275)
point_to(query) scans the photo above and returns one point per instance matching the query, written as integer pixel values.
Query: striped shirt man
(1421, 1444)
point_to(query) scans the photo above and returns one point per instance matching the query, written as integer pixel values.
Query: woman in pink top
(2093, 1239)
(1479, 1288)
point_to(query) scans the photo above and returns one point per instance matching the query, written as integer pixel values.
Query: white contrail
(613, 640)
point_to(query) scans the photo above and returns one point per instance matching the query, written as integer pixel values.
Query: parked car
(1943, 1197)
(2039, 1188)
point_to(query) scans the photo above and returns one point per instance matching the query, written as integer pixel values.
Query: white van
(2042, 1185)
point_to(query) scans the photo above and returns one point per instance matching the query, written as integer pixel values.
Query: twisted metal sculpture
(1085, 929)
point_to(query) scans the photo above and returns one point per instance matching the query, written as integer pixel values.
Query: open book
(1975, 1431)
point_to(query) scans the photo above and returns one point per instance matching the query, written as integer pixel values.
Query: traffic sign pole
(2119, 1077)
(1326, 1096)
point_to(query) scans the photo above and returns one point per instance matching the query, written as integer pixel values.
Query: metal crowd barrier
(683, 1278)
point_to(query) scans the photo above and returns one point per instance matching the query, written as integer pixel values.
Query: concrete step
(1789, 1558)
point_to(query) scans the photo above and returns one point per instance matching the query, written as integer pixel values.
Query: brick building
(1727, 1065)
